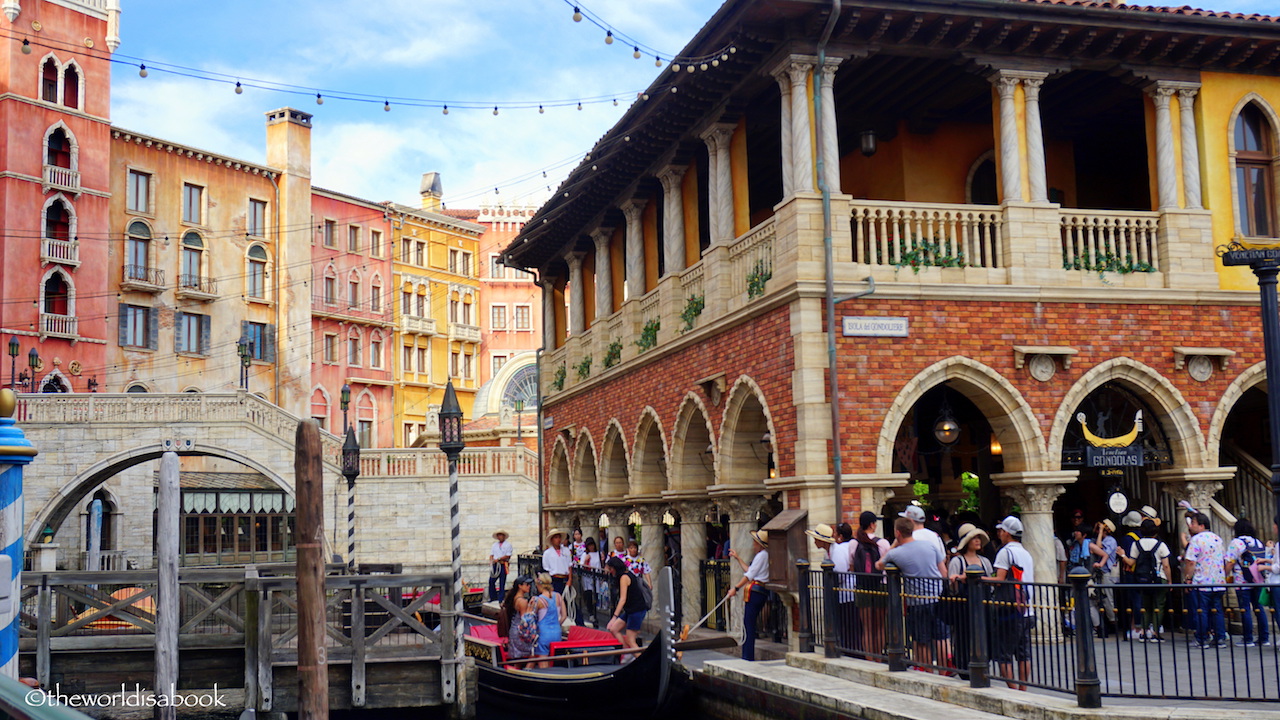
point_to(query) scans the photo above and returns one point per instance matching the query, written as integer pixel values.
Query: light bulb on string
(495, 191)
(386, 105)
(319, 99)
(703, 67)
(142, 71)
(540, 110)
(732, 49)
(608, 37)
(495, 109)
(725, 57)
(657, 61)
(675, 67)
(690, 68)
(445, 111)
(615, 102)
(239, 89)
(715, 63)
(26, 46)
(579, 106)
(635, 52)
(577, 15)
(544, 173)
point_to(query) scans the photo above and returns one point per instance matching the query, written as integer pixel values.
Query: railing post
(894, 647)
(266, 688)
(829, 636)
(1088, 686)
(977, 593)
(252, 598)
(805, 633)
(358, 645)
(44, 621)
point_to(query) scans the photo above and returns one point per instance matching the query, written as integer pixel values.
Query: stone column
(1166, 170)
(1190, 148)
(548, 315)
(652, 539)
(672, 219)
(1197, 486)
(720, 181)
(1010, 160)
(604, 273)
(830, 150)
(743, 512)
(1037, 177)
(801, 145)
(693, 550)
(632, 210)
(784, 91)
(1034, 493)
(577, 298)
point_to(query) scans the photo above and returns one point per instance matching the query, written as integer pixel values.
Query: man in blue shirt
(1105, 570)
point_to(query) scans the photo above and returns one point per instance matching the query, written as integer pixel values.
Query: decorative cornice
(211, 158)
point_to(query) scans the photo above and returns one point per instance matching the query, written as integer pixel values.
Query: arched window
(330, 286)
(57, 294)
(49, 81)
(58, 150)
(57, 220)
(71, 86)
(353, 290)
(375, 295)
(1254, 188)
(137, 388)
(257, 276)
(192, 254)
(137, 247)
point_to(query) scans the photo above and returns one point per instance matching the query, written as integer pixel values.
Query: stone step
(837, 695)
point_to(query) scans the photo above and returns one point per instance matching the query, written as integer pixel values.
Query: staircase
(1249, 492)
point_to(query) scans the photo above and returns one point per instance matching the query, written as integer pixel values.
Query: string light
(239, 89)
(319, 100)
(540, 110)
(142, 70)
(495, 109)
(387, 106)
(635, 52)
(657, 61)
(615, 102)
(577, 15)
(675, 67)
(446, 110)
(703, 67)
(26, 46)
(638, 48)
(579, 106)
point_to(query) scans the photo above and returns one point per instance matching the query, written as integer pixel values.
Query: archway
(584, 470)
(1238, 437)
(558, 490)
(748, 447)
(611, 478)
(649, 458)
(692, 452)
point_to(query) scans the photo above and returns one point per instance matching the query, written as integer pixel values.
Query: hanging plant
(648, 335)
(927, 254)
(584, 368)
(757, 278)
(561, 372)
(1109, 263)
(692, 309)
(613, 354)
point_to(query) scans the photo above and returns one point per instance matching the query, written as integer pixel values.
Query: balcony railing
(1103, 240)
(61, 178)
(328, 306)
(464, 333)
(197, 285)
(927, 234)
(63, 326)
(413, 325)
(63, 252)
(751, 261)
(141, 277)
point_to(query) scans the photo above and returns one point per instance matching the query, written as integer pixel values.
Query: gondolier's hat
(761, 537)
(821, 533)
(554, 532)
(503, 533)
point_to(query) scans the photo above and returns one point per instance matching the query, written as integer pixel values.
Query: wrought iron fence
(529, 565)
(715, 584)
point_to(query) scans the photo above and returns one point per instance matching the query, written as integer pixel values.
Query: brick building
(1023, 202)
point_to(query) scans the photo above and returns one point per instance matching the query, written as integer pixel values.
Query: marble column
(1190, 148)
(1037, 178)
(801, 145)
(672, 218)
(743, 514)
(830, 150)
(632, 210)
(1035, 497)
(719, 181)
(548, 315)
(1197, 486)
(693, 550)
(652, 540)
(577, 298)
(1010, 158)
(784, 92)
(604, 273)
(1166, 169)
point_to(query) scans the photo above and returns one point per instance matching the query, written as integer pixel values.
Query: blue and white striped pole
(16, 452)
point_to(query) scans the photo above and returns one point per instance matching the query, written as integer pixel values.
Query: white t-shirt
(1161, 550)
(930, 536)
(556, 560)
(501, 550)
(758, 570)
(1014, 554)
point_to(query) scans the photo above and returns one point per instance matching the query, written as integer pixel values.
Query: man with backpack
(1243, 553)
(871, 597)
(1016, 615)
(1148, 563)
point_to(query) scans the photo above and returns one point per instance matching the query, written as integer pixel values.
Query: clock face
(1118, 502)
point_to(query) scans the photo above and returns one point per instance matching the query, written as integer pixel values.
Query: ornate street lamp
(92, 384)
(451, 443)
(346, 403)
(519, 420)
(244, 349)
(13, 362)
(350, 471)
(33, 361)
(946, 430)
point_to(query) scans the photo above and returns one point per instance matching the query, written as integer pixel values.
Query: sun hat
(503, 533)
(821, 533)
(913, 513)
(1110, 526)
(761, 537)
(1011, 525)
(968, 532)
(553, 532)
(1133, 518)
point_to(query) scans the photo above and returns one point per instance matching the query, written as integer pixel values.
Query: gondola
(642, 688)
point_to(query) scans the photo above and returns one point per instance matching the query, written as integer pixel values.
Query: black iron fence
(529, 565)
(1085, 637)
(714, 586)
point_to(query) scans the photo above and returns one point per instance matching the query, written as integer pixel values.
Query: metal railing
(1084, 637)
(198, 283)
(144, 275)
(715, 584)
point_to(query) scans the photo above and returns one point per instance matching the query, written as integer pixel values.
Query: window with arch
(375, 351)
(353, 350)
(256, 279)
(57, 220)
(71, 86)
(192, 257)
(137, 388)
(58, 149)
(1254, 184)
(57, 294)
(137, 251)
(375, 295)
(49, 80)
(353, 290)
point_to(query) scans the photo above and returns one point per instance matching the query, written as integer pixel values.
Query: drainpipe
(541, 471)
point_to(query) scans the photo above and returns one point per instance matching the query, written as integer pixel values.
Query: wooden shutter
(269, 339)
(153, 328)
(206, 323)
(179, 331)
(122, 324)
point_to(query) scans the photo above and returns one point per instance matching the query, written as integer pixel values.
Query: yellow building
(437, 310)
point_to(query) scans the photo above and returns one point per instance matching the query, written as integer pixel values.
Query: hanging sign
(1113, 452)
(875, 327)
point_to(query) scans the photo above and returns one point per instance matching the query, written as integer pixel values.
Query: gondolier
(557, 560)
(756, 596)
(499, 563)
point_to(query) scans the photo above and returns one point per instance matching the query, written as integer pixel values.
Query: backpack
(646, 592)
(1249, 558)
(865, 557)
(1013, 594)
(1144, 563)
(527, 628)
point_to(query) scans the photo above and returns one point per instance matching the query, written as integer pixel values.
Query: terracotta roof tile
(1183, 10)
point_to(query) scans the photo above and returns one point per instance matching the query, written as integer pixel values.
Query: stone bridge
(86, 440)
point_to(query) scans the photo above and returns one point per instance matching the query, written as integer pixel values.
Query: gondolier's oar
(718, 642)
(687, 628)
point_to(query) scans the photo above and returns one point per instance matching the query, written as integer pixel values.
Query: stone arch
(54, 378)
(1008, 413)
(692, 465)
(1186, 442)
(73, 67)
(747, 436)
(1251, 377)
(49, 274)
(583, 485)
(68, 206)
(648, 455)
(69, 496)
(71, 141)
(611, 473)
(558, 476)
(989, 155)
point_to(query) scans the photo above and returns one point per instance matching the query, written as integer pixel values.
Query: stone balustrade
(63, 252)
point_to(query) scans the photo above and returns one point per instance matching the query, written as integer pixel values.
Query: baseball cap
(1011, 525)
(913, 513)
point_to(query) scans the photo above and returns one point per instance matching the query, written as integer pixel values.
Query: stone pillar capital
(798, 69)
(742, 508)
(1195, 485)
(693, 510)
(1006, 84)
(671, 177)
(1034, 498)
(1031, 86)
(601, 236)
(631, 210)
(717, 133)
(574, 260)
(1187, 94)
(1161, 95)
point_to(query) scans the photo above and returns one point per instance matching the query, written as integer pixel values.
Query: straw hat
(505, 535)
(822, 533)
(761, 537)
(968, 532)
(1150, 512)
(553, 532)
(1110, 526)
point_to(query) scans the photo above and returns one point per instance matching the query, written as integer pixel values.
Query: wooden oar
(684, 634)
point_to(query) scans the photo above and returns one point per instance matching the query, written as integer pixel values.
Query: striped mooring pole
(350, 471)
(16, 452)
(452, 445)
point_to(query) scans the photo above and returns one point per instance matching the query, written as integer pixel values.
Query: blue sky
(450, 50)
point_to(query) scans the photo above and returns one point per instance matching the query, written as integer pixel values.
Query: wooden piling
(313, 672)
(168, 505)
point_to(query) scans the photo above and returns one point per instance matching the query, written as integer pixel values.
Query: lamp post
(246, 356)
(519, 420)
(13, 362)
(451, 443)
(350, 471)
(33, 362)
(346, 403)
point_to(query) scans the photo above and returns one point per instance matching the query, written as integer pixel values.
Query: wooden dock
(91, 632)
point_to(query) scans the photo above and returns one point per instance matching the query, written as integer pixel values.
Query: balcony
(58, 326)
(464, 333)
(60, 178)
(196, 287)
(62, 252)
(143, 279)
(337, 308)
(411, 325)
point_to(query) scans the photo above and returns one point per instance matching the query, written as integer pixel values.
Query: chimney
(431, 191)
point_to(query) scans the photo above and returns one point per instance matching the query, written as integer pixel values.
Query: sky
(446, 51)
